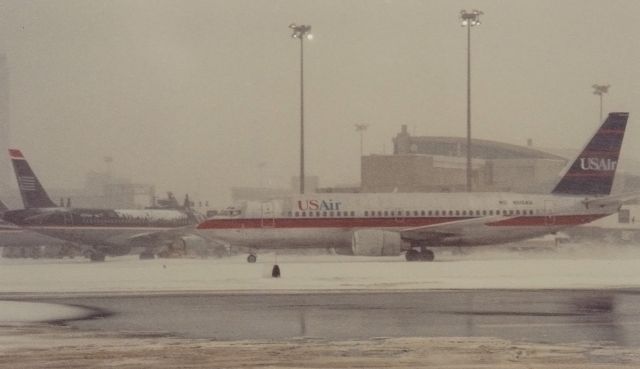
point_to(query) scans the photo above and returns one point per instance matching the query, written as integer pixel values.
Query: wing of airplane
(612, 200)
(458, 228)
(167, 235)
(4, 226)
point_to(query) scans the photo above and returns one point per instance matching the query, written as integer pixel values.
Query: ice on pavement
(549, 270)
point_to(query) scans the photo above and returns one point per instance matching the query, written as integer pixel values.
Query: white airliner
(390, 223)
(105, 231)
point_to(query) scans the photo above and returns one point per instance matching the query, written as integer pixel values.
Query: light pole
(361, 128)
(600, 90)
(469, 20)
(301, 32)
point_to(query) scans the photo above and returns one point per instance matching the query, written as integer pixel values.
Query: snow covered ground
(573, 266)
(42, 346)
(61, 347)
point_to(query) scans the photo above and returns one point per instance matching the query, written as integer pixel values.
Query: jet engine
(371, 242)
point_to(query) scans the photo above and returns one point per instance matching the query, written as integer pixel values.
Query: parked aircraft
(390, 223)
(106, 231)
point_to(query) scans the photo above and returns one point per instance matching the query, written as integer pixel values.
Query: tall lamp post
(600, 90)
(468, 20)
(301, 32)
(361, 128)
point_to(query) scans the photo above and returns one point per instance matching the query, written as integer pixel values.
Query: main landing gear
(96, 256)
(422, 255)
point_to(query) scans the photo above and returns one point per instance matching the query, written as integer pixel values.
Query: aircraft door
(398, 215)
(67, 218)
(549, 216)
(268, 214)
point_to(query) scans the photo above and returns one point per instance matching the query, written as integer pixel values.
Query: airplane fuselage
(101, 227)
(330, 220)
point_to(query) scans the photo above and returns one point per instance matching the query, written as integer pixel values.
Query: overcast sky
(193, 95)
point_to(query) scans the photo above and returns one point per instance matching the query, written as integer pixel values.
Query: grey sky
(193, 95)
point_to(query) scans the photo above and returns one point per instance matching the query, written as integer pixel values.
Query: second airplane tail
(593, 171)
(32, 192)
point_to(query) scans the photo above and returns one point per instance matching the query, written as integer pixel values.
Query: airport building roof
(404, 143)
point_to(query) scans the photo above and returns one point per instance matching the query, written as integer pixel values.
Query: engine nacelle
(371, 242)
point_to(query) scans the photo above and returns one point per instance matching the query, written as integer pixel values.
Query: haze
(193, 96)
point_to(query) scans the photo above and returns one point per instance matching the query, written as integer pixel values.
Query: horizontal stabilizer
(612, 200)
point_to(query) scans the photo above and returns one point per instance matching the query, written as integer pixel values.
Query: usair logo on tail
(598, 164)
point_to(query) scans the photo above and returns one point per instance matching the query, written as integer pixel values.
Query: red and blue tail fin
(593, 171)
(32, 192)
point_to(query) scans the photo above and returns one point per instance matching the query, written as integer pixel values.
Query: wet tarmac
(553, 316)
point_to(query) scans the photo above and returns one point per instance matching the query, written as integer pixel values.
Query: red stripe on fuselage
(285, 223)
(321, 222)
(558, 220)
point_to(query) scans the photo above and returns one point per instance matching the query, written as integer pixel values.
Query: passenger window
(297, 214)
(353, 213)
(386, 213)
(337, 213)
(379, 213)
(331, 213)
(324, 213)
(457, 212)
(289, 213)
(366, 213)
(415, 213)
(464, 212)
(304, 214)
(407, 213)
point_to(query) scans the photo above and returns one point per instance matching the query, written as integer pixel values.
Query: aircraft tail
(32, 192)
(593, 171)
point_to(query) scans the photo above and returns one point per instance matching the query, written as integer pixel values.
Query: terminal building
(438, 164)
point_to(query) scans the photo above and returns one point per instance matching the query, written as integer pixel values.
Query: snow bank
(12, 312)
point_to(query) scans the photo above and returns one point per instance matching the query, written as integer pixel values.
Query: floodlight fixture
(301, 32)
(470, 19)
(600, 90)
